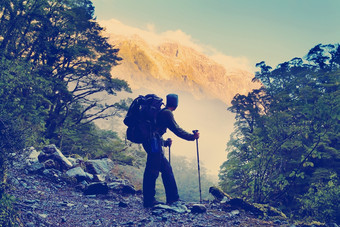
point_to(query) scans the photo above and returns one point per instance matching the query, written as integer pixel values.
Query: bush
(8, 213)
(322, 202)
(11, 140)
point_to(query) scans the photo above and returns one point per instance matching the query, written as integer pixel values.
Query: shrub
(322, 202)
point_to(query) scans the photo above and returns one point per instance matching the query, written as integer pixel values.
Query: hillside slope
(44, 198)
(172, 66)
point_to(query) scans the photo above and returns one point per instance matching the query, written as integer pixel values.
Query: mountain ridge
(170, 65)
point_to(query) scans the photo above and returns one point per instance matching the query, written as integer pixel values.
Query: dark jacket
(165, 119)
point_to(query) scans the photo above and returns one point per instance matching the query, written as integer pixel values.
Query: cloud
(150, 35)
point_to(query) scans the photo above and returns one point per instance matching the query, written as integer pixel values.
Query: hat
(172, 100)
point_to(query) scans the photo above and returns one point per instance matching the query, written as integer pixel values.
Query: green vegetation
(54, 67)
(8, 214)
(285, 150)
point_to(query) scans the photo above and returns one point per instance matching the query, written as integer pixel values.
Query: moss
(218, 193)
(270, 211)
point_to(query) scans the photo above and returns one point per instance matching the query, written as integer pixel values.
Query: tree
(286, 139)
(65, 46)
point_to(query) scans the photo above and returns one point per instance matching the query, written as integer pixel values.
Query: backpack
(141, 118)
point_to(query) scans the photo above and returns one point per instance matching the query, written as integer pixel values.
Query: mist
(214, 122)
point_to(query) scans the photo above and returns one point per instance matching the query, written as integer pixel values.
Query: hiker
(156, 161)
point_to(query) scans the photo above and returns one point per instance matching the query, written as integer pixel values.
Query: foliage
(287, 132)
(55, 65)
(22, 97)
(11, 140)
(322, 201)
(8, 213)
(87, 140)
(66, 50)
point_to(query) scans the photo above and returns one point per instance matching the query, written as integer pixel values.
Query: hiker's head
(172, 101)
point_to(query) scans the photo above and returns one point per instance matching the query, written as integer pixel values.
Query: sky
(237, 34)
(262, 30)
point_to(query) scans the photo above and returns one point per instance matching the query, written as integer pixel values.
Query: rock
(158, 212)
(96, 188)
(75, 161)
(89, 176)
(270, 211)
(97, 222)
(43, 215)
(178, 208)
(218, 194)
(241, 204)
(82, 186)
(53, 174)
(198, 208)
(124, 188)
(52, 152)
(122, 204)
(234, 213)
(35, 167)
(33, 155)
(333, 225)
(99, 166)
(128, 189)
(79, 174)
(98, 177)
(50, 164)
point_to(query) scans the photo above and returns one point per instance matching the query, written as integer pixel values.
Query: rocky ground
(45, 201)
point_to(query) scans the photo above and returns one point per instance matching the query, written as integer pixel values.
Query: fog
(210, 117)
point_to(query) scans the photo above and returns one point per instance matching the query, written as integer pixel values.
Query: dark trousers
(156, 162)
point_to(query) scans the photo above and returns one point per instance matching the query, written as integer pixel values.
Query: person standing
(156, 161)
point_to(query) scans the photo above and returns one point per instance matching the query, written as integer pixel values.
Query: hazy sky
(274, 31)
(237, 34)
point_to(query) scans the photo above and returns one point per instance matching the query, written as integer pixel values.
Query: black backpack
(141, 118)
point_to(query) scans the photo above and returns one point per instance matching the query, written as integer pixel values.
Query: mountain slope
(46, 197)
(172, 66)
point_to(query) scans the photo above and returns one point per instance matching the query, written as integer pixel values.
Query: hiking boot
(151, 204)
(176, 202)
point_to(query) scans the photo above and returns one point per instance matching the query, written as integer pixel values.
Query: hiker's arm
(174, 127)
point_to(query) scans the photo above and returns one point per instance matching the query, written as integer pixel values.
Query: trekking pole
(169, 143)
(198, 167)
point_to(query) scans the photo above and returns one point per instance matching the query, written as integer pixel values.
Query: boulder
(79, 174)
(123, 188)
(99, 166)
(229, 204)
(237, 203)
(50, 164)
(96, 188)
(75, 161)
(32, 155)
(53, 174)
(98, 177)
(35, 167)
(270, 211)
(198, 208)
(219, 195)
(52, 152)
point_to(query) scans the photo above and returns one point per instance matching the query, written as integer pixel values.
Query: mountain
(172, 66)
